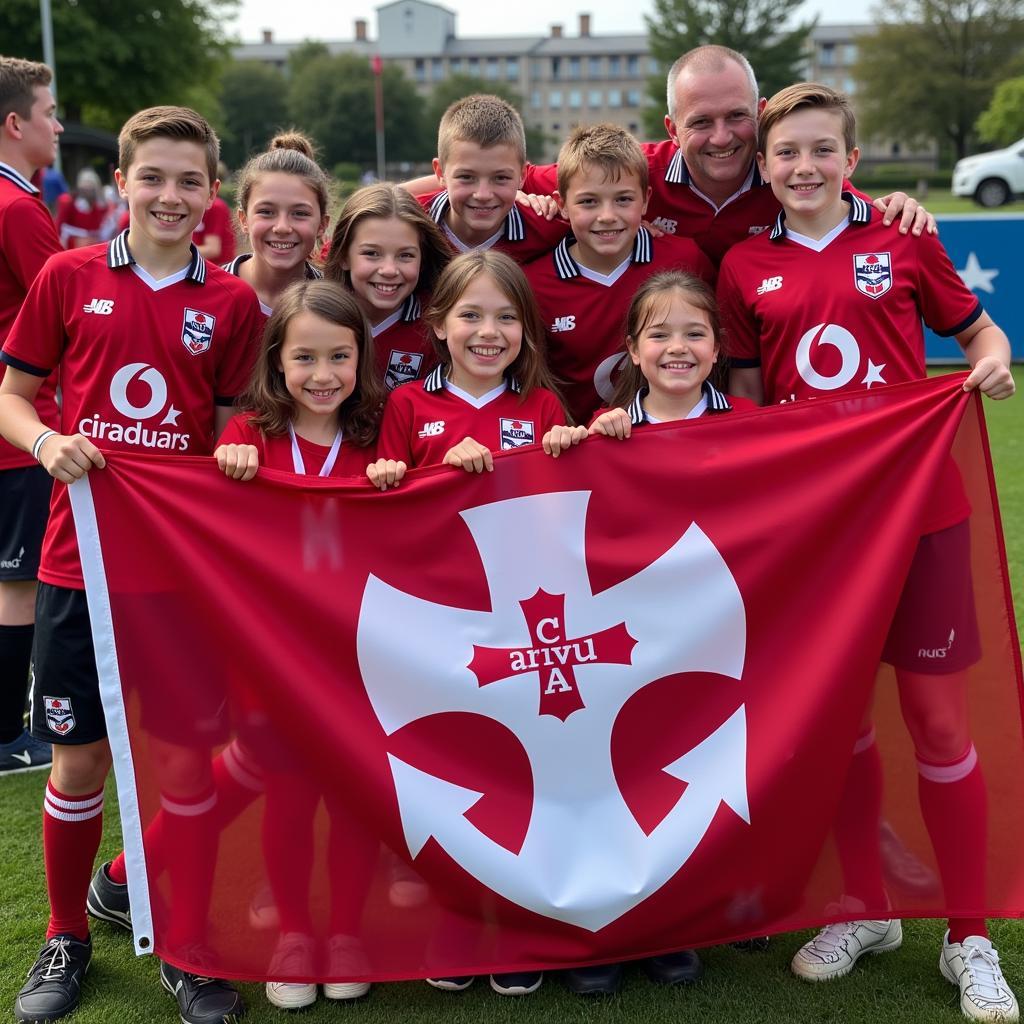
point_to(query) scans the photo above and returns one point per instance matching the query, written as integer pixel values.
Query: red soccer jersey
(402, 345)
(276, 452)
(678, 208)
(217, 220)
(141, 362)
(27, 240)
(79, 221)
(585, 313)
(839, 314)
(525, 235)
(421, 423)
(712, 402)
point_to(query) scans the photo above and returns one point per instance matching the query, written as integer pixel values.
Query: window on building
(633, 98)
(850, 53)
(594, 69)
(420, 69)
(614, 97)
(614, 67)
(595, 99)
(492, 68)
(827, 55)
(575, 99)
(555, 99)
(455, 65)
(574, 68)
(556, 127)
(633, 66)
(512, 69)
(437, 69)
(474, 66)
(633, 127)
(653, 68)
(849, 85)
(537, 70)
(556, 68)
(535, 99)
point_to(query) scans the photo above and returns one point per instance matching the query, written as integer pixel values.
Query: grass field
(904, 986)
(943, 201)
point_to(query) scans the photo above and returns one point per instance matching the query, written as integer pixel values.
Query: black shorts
(66, 704)
(935, 629)
(24, 509)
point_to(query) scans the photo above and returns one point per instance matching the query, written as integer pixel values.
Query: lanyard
(300, 466)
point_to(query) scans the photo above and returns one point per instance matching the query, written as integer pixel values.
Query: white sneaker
(294, 955)
(973, 965)
(345, 956)
(837, 947)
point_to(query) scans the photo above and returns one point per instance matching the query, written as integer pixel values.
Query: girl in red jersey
(283, 198)
(312, 407)
(388, 253)
(490, 390)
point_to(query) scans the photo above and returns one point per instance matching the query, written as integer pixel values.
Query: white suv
(991, 179)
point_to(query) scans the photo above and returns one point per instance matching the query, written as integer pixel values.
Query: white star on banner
(976, 277)
(874, 374)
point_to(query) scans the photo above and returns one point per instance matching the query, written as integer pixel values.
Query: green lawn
(943, 201)
(903, 986)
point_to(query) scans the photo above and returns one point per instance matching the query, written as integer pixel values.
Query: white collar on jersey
(567, 268)
(714, 399)
(312, 273)
(119, 255)
(17, 178)
(515, 226)
(408, 311)
(860, 214)
(678, 173)
(437, 380)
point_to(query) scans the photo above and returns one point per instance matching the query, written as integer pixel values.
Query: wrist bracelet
(38, 443)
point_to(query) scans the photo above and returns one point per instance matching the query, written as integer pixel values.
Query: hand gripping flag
(570, 711)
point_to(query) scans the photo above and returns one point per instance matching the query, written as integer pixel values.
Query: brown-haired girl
(673, 338)
(389, 253)
(313, 403)
(283, 199)
(490, 390)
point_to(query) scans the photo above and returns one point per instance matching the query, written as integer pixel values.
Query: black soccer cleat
(54, 984)
(201, 1000)
(107, 900)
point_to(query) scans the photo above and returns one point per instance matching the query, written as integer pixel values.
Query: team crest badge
(872, 274)
(59, 715)
(402, 367)
(197, 331)
(516, 433)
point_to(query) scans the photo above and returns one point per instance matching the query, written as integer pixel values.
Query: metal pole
(378, 97)
(49, 59)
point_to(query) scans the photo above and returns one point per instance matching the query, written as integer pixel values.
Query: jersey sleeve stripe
(964, 324)
(18, 364)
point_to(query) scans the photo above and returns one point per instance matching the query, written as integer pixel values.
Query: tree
(333, 99)
(117, 56)
(752, 27)
(932, 65)
(1003, 121)
(253, 99)
(455, 87)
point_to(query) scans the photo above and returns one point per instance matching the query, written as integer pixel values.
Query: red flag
(569, 711)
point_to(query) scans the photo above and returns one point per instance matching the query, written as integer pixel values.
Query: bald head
(707, 60)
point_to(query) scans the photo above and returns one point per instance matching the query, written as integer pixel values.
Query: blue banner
(986, 250)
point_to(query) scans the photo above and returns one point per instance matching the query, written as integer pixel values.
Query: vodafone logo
(145, 374)
(607, 374)
(138, 392)
(809, 352)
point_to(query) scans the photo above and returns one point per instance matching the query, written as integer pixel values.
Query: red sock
(288, 843)
(856, 828)
(72, 828)
(352, 855)
(954, 807)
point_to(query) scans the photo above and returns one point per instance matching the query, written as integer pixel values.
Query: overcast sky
(301, 19)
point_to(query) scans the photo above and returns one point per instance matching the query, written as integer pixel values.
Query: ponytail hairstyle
(267, 397)
(645, 305)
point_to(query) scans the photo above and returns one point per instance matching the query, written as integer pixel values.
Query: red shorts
(935, 628)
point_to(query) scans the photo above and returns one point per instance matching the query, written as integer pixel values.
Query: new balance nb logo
(104, 307)
(666, 225)
(770, 284)
(432, 429)
(563, 323)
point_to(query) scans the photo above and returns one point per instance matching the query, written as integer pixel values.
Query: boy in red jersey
(585, 286)
(830, 301)
(29, 131)
(481, 153)
(151, 345)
